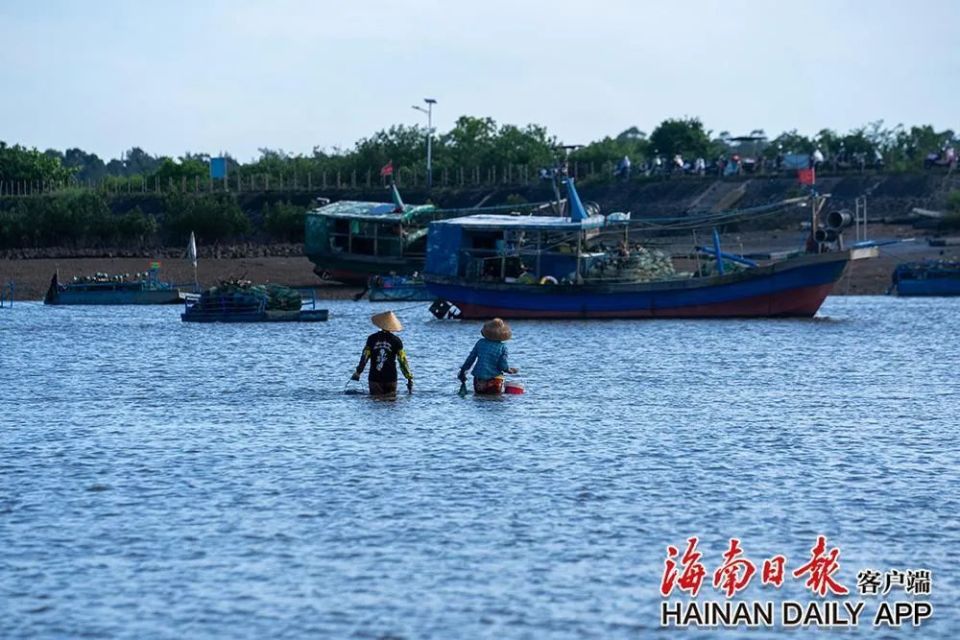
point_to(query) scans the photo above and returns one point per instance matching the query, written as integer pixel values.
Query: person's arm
(468, 363)
(404, 365)
(363, 361)
(502, 364)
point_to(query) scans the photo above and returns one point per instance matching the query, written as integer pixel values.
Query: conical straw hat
(387, 321)
(496, 329)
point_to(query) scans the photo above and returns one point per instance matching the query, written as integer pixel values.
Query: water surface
(167, 480)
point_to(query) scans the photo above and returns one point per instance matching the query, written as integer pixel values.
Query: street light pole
(429, 111)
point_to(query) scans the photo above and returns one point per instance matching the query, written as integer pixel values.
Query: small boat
(351, 241)
(104, 289)
(242, 301)
(398, 288)
(556, 267)
(927, 278)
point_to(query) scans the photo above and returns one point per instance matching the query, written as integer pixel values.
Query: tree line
(479, 142)
(70, 216)
(85, 218)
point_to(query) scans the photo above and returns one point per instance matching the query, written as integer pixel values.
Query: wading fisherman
(384, 350)
(490, 356)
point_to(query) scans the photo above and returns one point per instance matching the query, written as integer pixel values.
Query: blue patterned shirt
(491, 359)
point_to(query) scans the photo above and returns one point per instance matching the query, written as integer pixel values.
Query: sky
(237, 75)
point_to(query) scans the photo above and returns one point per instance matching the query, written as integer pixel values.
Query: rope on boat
(365, 314)
(686, 223)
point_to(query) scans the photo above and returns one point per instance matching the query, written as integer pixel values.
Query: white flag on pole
(192, 250)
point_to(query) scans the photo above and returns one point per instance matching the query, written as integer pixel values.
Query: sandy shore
(32, 276)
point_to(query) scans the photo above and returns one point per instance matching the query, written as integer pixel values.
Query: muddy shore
(31, 276)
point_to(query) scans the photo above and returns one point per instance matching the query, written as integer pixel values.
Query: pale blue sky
(236, 75)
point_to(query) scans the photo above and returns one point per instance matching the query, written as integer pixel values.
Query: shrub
(285, 221)
(213, 217)
(953, 201)
(136, 226)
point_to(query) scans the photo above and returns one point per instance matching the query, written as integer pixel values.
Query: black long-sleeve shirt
(383, 350)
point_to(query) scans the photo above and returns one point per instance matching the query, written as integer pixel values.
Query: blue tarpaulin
(443, 246)
(218, 168)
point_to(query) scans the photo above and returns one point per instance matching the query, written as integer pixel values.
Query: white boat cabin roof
(544, 223)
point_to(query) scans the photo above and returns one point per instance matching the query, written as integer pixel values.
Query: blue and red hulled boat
(558, 267)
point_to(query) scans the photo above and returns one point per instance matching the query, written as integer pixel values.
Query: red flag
(807, 176)
(387, 170)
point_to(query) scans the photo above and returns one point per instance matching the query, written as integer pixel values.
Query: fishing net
(638, 265)
(243, 293)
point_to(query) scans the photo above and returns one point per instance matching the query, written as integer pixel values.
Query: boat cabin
(512, 248)
(351, 241)
(367, 229)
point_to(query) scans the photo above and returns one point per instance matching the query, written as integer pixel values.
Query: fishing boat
(927, 278)
(488, 266)
(104, 289)
(350, 241)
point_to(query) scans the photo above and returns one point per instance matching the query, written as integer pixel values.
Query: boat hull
(942, 287)
(67, 297)
(357, 270)
(210, 316)
(792, 288)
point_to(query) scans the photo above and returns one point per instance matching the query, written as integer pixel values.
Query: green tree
(685, 136)
(138, 162)
(188, 169)
(470, 141)
(18, 163)
(792, 142)
(404, 145)
(631, 143)
(86, 166)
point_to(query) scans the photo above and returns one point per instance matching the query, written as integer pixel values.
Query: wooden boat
(102, 289)
(350, 241)
(927, 278)
(545, 267)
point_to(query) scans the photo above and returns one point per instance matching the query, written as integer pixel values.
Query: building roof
(376, 211)
(545, 223)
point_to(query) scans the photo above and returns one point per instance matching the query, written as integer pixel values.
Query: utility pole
(429, 111)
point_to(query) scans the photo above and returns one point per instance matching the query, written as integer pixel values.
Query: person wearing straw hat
(383, 350)
(489, 358)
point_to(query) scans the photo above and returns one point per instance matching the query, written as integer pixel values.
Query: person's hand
(512, 370)
(355, 376)
(462, 376)
(410, 385)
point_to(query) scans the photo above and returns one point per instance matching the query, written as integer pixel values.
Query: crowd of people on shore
(736, 164)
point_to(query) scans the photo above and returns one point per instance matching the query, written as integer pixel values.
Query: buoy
(514, 387)
(548, 280)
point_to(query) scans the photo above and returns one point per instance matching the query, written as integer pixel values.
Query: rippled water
(159, 479)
